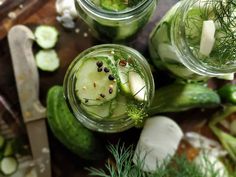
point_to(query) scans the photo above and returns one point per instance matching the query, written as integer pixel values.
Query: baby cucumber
(70, 131)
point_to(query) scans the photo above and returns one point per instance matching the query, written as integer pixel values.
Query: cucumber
(119, 106)
(137, 86)
(46, 36)
(8, 165)
(123, 73)
(96, 83)
(228, 93)
(182, 97)
(70, 131)
(100, 112)
(2, 141)
(47, 60)
(9, 148)
(114, 5)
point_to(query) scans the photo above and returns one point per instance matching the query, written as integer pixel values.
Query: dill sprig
(223, 13)
(136, 113)
(180, 166)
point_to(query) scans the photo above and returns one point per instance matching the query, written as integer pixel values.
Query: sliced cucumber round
(8, 165)
(119, 106)
(101, 111)
(96, 83)
(47, 60)
(46, 36)
(137, 86)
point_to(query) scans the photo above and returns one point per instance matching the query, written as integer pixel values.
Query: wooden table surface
(64, 163)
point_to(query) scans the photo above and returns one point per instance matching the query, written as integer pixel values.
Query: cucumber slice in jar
(119, 106)
(113, 5)
(101, 111)
(96, 81)
(8, 165)
(47, 60)
(137, 86)
(46, 36)
(123, 69)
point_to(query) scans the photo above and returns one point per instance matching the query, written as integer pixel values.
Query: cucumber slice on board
(8, 165)
(47, 60)
(96, 83)
(46, 36)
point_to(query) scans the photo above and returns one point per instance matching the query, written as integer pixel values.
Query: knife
(20, 39)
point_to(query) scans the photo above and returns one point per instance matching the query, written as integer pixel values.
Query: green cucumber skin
(227, 93)
(182, 97)
(70, 131)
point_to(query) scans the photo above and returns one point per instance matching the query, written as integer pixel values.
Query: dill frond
(223, 13)
(179, 166)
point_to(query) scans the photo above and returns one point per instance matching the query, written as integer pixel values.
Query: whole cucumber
(181, 97)
(70, 131)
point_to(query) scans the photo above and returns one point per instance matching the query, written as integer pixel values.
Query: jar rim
(115, 15)
(183, 49)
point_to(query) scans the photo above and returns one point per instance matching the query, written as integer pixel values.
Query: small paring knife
(20, 39)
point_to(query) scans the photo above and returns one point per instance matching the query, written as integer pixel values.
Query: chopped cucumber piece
(119, 106)
(2, 141)
(101, 111)
(46, 36)
(208, 37)
(8, 165)
(127, 31)
(9, 148)
(47, 60)
(233, 127)
(96, 82)
(137, 86)
(123, 72)
(114, 5)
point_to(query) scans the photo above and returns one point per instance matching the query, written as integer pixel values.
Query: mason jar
(196, 40)
(109, 87)
(115, 23)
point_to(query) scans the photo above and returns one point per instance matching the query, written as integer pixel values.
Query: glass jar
(177, 42)
(115, 26)
(100, 85)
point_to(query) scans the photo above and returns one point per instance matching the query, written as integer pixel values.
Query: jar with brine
(115, 21)
(108, 87)
(196, 40)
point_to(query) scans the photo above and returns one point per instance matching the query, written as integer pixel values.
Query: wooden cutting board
(70, 44)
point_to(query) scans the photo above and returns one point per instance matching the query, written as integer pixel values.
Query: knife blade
(20, 39)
